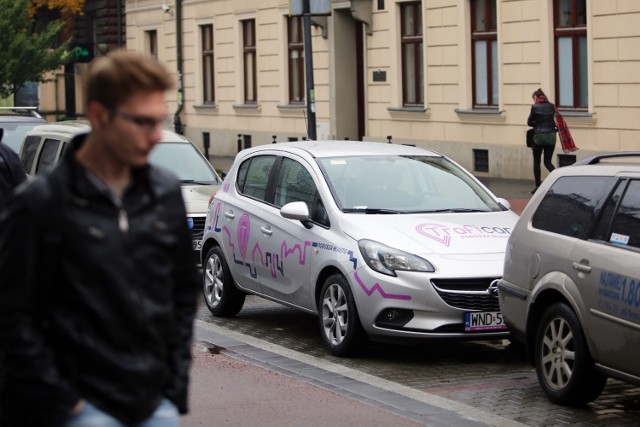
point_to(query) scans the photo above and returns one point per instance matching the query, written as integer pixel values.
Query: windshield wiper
(450, 210)
(371, 211)
(193, 181)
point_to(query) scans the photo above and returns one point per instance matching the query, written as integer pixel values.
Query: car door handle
(229, 214)
(581, 267)
(266, 230)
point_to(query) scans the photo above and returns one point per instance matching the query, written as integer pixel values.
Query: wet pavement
(481, 383)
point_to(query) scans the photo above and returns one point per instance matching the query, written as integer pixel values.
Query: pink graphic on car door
(276, 261)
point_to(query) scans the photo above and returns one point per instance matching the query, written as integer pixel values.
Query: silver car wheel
(335, 314)
(222, 296)
(557, 353)
(214, 280)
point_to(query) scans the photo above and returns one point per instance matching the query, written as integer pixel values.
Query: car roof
(331, 148)
(606, 164)
(18, 118)
(20, 114)
(620, 157)
(70, 128)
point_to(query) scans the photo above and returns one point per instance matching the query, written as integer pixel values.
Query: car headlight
(387, 260)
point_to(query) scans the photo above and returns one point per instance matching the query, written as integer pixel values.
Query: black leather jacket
(542, 118)
(11, 172)
(96, 301)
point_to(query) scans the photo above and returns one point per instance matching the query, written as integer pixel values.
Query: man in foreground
(98, 285)
(11, 172)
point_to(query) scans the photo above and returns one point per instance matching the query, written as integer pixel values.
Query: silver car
(379, 240)
(571, 285)
(16, 122)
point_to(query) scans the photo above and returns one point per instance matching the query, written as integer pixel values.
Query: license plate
(197, 245)
(476, 321)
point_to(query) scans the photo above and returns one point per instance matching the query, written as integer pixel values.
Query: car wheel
(564, 366)
(340, 325)
(221, 295)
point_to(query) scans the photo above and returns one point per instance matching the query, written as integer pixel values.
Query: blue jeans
(165, 415)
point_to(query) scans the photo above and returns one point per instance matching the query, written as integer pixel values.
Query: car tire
(565, 370)
(339, 322)
(221, 295)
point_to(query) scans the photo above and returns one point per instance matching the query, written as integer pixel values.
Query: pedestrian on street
(11, 171)
(542, 120)
(98, 283)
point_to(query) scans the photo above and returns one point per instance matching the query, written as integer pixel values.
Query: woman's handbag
(530, 138)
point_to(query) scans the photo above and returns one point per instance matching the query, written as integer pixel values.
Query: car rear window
(253, 176)
(625, 227)
(572, 205)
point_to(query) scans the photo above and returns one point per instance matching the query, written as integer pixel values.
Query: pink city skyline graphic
(275, 262)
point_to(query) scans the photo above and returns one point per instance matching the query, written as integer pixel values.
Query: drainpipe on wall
(177, 122)
(119, 7)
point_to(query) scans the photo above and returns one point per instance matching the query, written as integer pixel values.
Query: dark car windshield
(404, 184)
(185, 161)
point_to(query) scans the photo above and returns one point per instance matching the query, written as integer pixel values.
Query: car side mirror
(504, 202)
(297, 211)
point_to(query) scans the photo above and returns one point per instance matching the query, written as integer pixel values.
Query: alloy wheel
(335, 314)
(214, 280)
(558, 353)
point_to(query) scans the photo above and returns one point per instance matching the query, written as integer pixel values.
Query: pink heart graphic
(435, 232)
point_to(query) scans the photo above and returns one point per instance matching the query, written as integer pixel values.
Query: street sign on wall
(316, 7)
(82, 52)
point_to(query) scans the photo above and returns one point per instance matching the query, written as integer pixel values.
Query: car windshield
(185, 162)
(14, 133)
(403, 184)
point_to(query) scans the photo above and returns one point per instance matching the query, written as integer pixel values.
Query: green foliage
(27, 50)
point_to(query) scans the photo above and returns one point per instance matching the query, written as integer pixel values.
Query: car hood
(196, 197)
(442, 234)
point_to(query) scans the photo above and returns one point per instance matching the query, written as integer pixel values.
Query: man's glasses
(145, 123)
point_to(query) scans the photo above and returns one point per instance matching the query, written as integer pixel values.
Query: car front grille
(467, 294)
(197, 230)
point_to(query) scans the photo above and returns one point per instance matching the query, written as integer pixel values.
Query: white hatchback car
(381, 241)
(44, 146)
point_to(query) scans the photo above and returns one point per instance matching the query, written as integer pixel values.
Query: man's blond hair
(114, 78)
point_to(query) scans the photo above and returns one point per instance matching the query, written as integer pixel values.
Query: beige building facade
(455, 76)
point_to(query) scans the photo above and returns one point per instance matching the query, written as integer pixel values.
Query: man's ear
(97, 114)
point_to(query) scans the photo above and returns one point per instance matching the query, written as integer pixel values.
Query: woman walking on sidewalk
(541, 119)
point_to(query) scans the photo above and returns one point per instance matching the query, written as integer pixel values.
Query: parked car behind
(571, 285)
(16, 122)
(380, 241)
(44, 145)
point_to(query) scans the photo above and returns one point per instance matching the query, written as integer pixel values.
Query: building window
(296, 60)
(484, 40)
(480, 160)
(570, 34)
(152, 43)
(412, 54)
(249, 51)
(208, 68)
